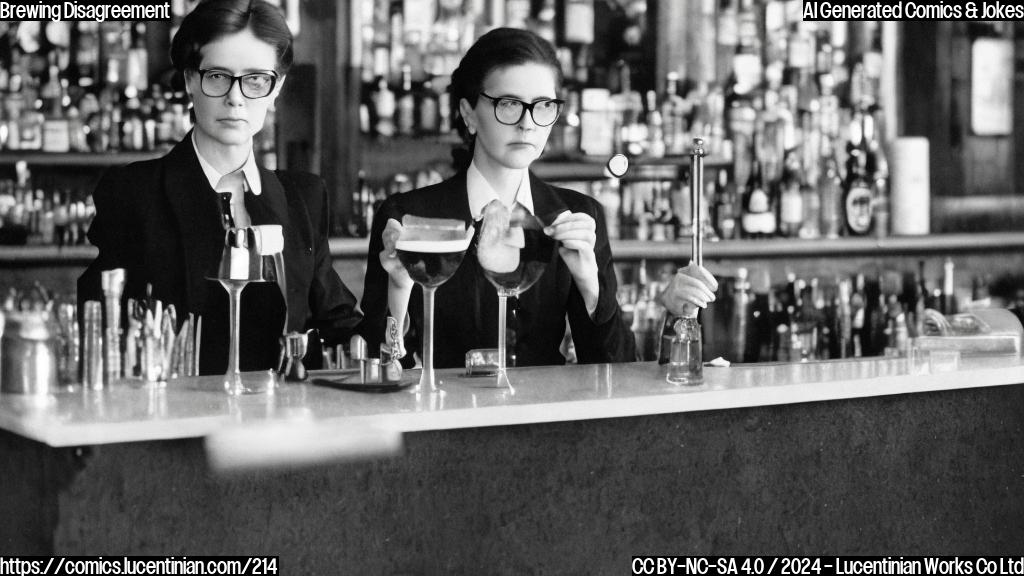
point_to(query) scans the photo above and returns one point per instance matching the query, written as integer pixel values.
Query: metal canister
(28, 358)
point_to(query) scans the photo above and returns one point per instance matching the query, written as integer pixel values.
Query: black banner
(156, 565)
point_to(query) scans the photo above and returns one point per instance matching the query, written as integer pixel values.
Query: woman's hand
(577, 234)
(692, 287)
(399, 282)
(397, 275)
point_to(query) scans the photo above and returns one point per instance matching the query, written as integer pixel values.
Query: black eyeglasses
(510, 111)
(217, 83)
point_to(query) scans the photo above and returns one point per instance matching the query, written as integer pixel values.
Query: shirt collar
(481, 193)
(249, 170)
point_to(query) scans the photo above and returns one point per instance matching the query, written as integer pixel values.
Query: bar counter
(576, 471)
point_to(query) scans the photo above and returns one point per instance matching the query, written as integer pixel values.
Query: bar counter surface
(578, 469)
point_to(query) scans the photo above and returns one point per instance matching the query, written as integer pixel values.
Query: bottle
(725, 207)
(858, 195)
(758, 219)
(830, 186)
(579, 22)
(570, 121)
(858, 313)
(747, 69)
(948, 305)
(137, 59)
(791, 205)
(86, 53)
(673, 115)
(384, 107)
(133, 135)
(56, 133)
(655, 128)
(742, 300)
(405, 116)
(629, 105)
(428, 117)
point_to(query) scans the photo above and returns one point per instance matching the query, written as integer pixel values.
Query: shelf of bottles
(78, 97)
(791, 109)
(761, 316)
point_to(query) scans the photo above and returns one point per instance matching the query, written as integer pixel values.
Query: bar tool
(28, 359)
(293, 350)
(92, 345)
(112, 282)
(357, 349)
(684, 347)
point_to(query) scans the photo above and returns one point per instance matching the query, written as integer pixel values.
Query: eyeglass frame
(527, 106)
(204, 71)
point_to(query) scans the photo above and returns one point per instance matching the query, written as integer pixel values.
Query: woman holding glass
(506, 89)
(161, 220)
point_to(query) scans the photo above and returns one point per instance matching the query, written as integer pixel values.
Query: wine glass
(513, 251)
(431, 250)
(240, 263)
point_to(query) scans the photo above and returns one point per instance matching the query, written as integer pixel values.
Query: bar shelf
(76, 159)
(635, 250)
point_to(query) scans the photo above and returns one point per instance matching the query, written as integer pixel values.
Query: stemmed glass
(240, 263)
(431, 250)
(513, 252)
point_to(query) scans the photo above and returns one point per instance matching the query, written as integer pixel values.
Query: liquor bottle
(758, 219)
(570, 121)
(725, 207)
(739, 318)
(746, 62)
(655, 127)
(545, 21)
(858, 305)
(133, 135)
(384, 107)
(579, 22)
(55, 130)
(830, 186)
(858, 195)
(86, 53)
(629, 105)
(726, 38)
(791, 204)
(948, 304)
(428, 115)
(405, 115)
(673, 115)
(137, 59)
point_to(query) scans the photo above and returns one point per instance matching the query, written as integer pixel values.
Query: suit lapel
(194, 206)
(271, 206)
(546, 203)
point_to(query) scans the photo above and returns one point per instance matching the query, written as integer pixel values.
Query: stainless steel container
(28, 358)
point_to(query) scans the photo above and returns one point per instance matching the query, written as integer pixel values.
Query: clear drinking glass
(431, 250)
(513, 251)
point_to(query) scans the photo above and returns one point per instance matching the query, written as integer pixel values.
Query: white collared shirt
(250, 181)
(481, 193)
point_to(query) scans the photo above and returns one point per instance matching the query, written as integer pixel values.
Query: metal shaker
(28, 356)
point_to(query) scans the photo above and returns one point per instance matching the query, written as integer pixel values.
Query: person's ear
(468, 115)
(277, 88)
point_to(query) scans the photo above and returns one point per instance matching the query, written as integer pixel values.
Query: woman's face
(518, 145)
(233, 119)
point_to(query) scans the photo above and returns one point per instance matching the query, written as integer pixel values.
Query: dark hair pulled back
(214, 19)
(496, 49)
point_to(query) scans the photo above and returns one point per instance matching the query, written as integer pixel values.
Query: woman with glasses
(506, 88)
(163, 220)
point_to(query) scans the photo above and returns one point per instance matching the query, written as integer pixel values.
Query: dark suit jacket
(466, 306)
(159, 220)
